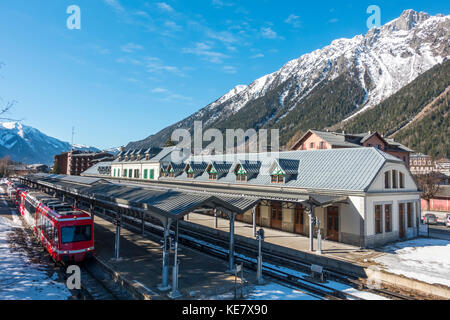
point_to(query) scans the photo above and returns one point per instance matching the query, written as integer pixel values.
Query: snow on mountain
(28, 145)
(382, 62)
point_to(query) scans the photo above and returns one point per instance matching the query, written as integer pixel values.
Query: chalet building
(333, 140)
(73, 163)
(141, 164)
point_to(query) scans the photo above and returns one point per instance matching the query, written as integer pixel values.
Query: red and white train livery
(67, 233)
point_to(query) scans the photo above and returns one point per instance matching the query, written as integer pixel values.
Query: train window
(30, 207)
(75, 234)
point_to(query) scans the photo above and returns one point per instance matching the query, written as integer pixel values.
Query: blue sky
(136, 67)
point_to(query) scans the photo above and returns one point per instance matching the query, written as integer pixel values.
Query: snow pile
(21, 279)
(275, 291)
(427, 260)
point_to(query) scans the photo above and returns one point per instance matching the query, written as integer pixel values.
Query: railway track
(246, 255)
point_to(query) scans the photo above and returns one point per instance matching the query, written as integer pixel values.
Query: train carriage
(66, 232)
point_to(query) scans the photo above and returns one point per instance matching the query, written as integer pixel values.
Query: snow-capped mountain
(332, 84)
(28, 145)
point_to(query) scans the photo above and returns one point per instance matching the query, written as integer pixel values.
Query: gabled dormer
(195, 169)
(175, 169)
(246, 170)
(283, 170)
(217, 170)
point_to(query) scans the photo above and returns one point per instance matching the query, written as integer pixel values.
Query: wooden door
(276, 215)
(258, 215)
(298, 219)
(401, 220)
(333, 223)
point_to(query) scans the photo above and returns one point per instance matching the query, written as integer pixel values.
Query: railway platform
(200, 276)
(354, 259)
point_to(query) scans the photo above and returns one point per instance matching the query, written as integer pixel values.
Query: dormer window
(241, 174)
(277, 178)
(212, 173)
(190, 173)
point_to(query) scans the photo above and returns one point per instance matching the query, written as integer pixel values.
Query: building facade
(364, 196)
(143, 164)
(73, 163)
(314, 140)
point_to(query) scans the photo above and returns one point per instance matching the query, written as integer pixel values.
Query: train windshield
(76, 234)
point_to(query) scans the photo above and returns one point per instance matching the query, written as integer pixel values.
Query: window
(76, 234)
(387, 179)
(145, 173)
(212, 176)
(190, 175)
(311, 145)
(395, 179)
(402, 180)
(322, 145)
(277, 178)
(130, 173)
(125, 173)
(388, 217)
(152, 174)
(378, 229)
(114, 173)
(409, 214)
(136, 173)
(241, 174)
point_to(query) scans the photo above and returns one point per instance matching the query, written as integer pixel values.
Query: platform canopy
(164, 202)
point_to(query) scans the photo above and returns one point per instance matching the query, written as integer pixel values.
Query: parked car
(430, 218)
(447, 221)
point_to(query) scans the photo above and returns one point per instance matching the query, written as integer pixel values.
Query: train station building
(358, 196)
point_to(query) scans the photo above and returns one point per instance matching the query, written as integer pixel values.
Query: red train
(67, 233)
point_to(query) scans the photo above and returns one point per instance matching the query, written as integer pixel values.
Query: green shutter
(145, 173)
(152, 174)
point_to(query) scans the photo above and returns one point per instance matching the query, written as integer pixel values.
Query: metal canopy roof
(168, 203)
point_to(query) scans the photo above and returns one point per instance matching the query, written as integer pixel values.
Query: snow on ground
(423, 259)
(20, 278)
(275, 291)
(268, 291)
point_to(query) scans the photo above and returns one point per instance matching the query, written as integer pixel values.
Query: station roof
(166, 202)
(335, 170)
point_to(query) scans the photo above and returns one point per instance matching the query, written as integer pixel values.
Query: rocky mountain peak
(408, 20)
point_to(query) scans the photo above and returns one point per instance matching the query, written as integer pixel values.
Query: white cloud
(223, 36)
(268, 33)
(154, 64)
(115, 4)
(203, 49)
(172, 26)
(334, 20)
(256, 56)
(160, 90)
(229, 69)
(131, 47)
(293, 20)
(165, 7)
(220, 4)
